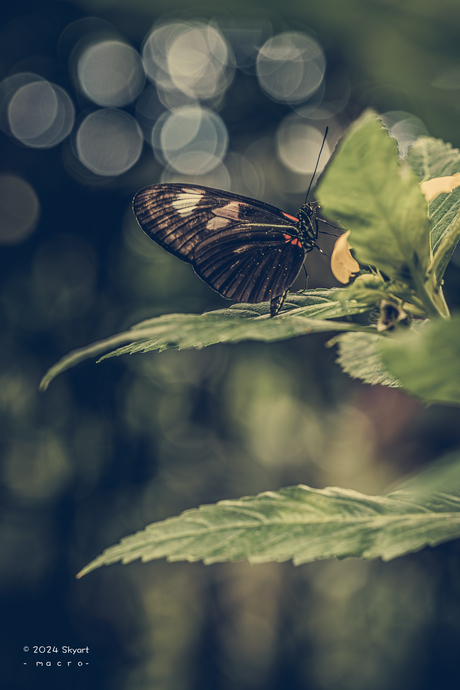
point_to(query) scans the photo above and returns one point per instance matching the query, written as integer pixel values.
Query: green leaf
(430, 158)
(306, 312)
(378, 199)
(320, 303)
(361, 358)
(304, 524)
(427, 362)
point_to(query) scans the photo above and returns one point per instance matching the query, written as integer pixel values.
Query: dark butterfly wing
(248, 266)
(180, 216)
(243, 248)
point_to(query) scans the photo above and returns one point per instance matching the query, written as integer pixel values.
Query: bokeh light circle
(109, 142)
(155, 52)
(192, 140)
(110, 73)
(199, 62)
(19, 209)
(290, 66)
(32, 110)
(298, 145)
(194, 59)
(37, 113)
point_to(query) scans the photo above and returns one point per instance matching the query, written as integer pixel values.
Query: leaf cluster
(403, 246)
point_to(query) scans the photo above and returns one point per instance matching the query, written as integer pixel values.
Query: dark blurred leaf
(307, 313)
(303, 524)
(427, 362)
(378, 199)
(360, 357)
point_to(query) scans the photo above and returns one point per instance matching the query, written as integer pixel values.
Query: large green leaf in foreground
(378, 199)
(306, 312)
(305, 524)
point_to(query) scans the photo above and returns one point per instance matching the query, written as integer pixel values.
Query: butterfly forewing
(243, 248)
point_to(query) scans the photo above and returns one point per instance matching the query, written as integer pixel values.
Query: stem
(438, 299)
(432, 309)
(413, 309)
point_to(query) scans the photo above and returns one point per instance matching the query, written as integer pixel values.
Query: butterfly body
(245, 249)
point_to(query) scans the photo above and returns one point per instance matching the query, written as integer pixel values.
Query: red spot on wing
(292, 240)
(290, 217)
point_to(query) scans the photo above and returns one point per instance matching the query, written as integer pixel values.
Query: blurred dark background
(98, 99)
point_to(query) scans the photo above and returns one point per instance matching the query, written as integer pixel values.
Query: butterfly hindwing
(249, 266)
(243, 248)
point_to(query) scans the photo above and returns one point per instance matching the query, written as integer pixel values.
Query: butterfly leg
(306, 279)
(323, 232)
(276, 303)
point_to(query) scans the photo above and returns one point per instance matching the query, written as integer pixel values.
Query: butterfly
(245, 249)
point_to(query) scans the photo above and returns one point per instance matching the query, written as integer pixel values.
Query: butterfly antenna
(317, 163)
